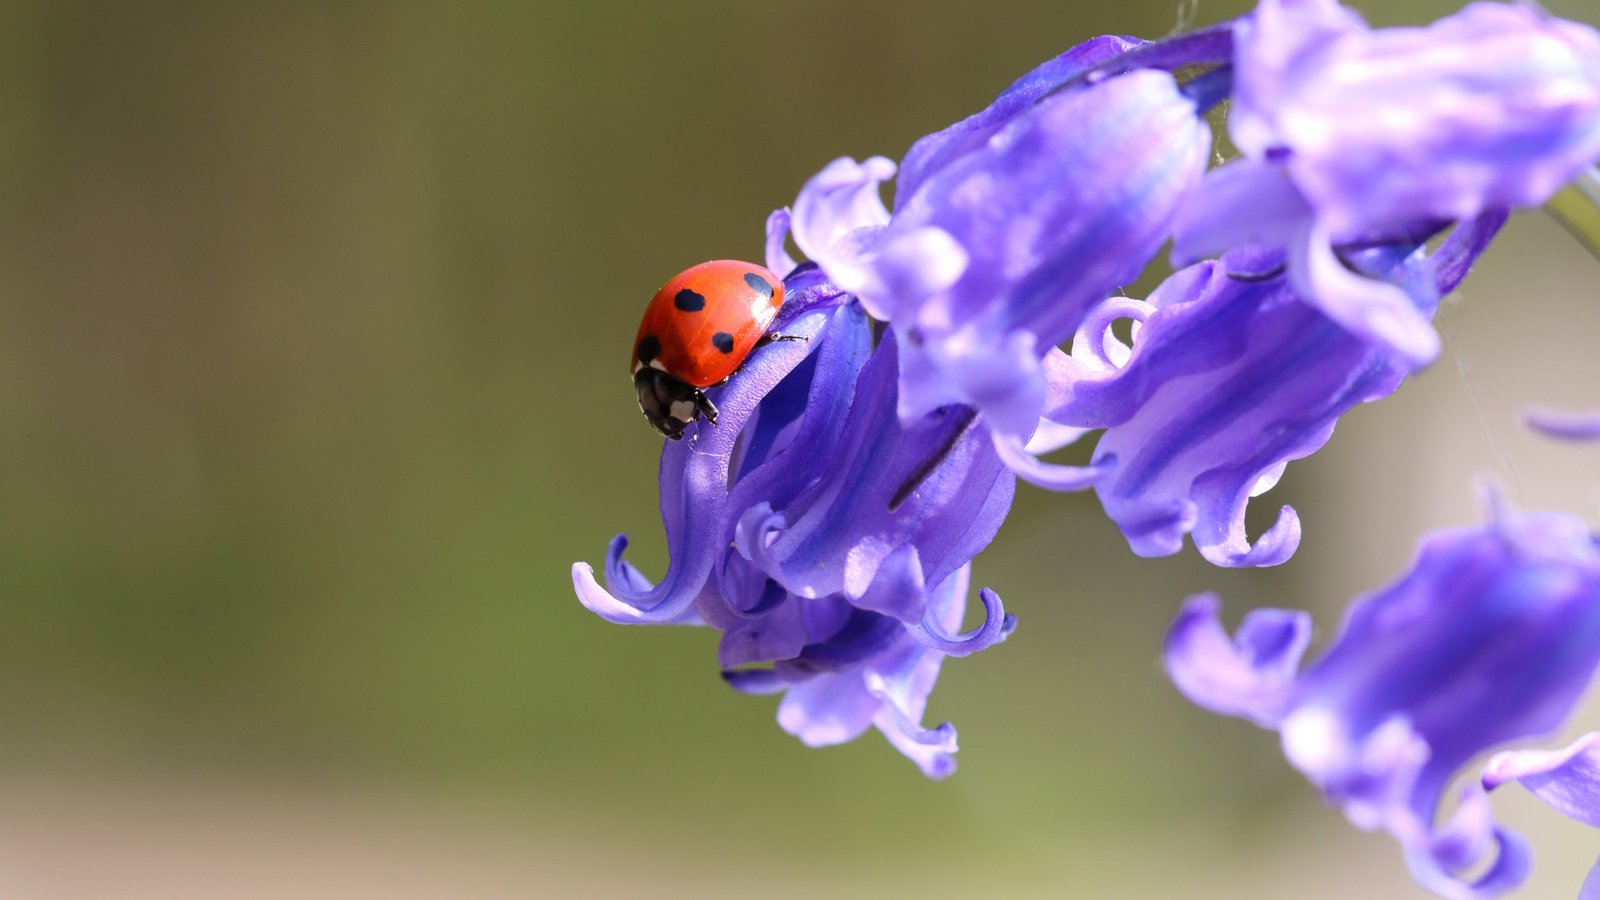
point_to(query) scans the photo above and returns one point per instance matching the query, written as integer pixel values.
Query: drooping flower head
(1353, 135)
(828, 542)
(1230, 376)
(1491, 638)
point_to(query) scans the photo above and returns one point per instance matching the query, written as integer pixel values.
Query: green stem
(1577, 208)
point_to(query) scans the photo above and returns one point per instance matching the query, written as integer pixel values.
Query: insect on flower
(698, 330)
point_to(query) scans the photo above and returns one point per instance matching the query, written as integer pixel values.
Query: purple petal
(933, 750)
(1241, 203)
(999, 375)
(778, 633)
(1374, 310)
(860, 638)
(841, 200)
(1050, 476)
(897, 589)
(1052, 436)
(1369, 770)
(1202, 46)
(1250, 675)
(753, 534)
(778, 258)
(903, 682)
(938, 150)
(1567, 780)
(936, 483)
(1512, 863)
(1229, 546)
(603, 604)
(995, 628)
(838, 214)
(828, 709)
(1456, 256)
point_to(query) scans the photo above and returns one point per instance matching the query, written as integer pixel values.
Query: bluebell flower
(1351, 134)
(826, 540)
(1230, 376)
(1007, 227)
(1489, 639)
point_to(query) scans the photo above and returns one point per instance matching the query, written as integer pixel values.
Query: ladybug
(697, 331)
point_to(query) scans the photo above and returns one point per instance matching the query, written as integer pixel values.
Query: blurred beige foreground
(87, 839)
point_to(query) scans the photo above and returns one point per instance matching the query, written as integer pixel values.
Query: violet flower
(1230, 377)
(828, 541)
(1490, 638)
(1007, 227)
(1351, 134)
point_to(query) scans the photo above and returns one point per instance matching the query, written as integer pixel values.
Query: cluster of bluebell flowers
(827, 523)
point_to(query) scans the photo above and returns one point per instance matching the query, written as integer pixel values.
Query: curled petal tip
(1272, 548)
(932, 749)
(597, 599)
(1249, 674)
(997, 625)
(674, 610)
(1513, 861)
(754, 534)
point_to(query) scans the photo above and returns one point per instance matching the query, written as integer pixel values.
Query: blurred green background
(314, 318)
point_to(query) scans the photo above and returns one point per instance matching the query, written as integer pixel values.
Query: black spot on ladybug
(689, 301)
(758, 284)
(722, 341)
(649, 348)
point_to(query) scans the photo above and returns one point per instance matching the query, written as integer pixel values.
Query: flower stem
(1577, 208)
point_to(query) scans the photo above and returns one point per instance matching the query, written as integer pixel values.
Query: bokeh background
(312, 326)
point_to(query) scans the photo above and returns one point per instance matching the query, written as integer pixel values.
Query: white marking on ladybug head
(657, 365)
(682, 410)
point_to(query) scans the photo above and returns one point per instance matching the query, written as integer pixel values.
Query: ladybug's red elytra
(697, 331)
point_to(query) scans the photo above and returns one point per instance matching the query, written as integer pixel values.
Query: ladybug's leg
(773, 337)
(705, 406)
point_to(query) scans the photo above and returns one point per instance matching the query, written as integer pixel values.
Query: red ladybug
(696, 333)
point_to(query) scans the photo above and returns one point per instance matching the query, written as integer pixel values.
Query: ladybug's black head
(669, 404)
